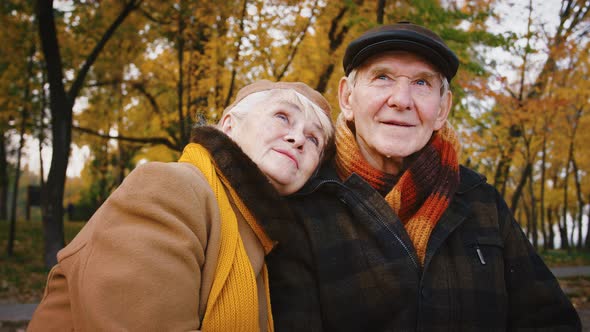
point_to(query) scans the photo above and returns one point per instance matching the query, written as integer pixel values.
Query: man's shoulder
(474, 187)
(470, 179)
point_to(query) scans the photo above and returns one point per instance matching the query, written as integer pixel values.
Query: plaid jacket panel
(347, 264)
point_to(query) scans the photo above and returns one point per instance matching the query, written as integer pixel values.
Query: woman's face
(281, 139)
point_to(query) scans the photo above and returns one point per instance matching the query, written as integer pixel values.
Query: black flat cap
(402, 36)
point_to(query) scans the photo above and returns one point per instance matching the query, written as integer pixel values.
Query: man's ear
(344, 95)
(226, 124)
(445, 108)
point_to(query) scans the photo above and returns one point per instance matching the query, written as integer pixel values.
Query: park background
(89, 89)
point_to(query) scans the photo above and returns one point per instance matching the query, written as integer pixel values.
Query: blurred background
(89, 89)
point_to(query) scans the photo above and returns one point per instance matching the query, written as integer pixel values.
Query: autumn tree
(61, 105)
(142, 73)
(523, 127)
(18, 78)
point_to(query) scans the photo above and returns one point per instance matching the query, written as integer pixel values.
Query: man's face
(396, 105)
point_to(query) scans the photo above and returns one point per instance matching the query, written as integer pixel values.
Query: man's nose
(400, 96)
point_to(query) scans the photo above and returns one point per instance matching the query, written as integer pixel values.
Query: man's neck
(385, 164)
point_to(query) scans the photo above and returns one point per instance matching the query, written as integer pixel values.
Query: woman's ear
(344, 95)
(226, 124)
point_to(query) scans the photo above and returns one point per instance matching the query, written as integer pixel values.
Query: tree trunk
(41, 135)
(527, 213)
(295, 42)
(41, 139)
(3, 178)
(21, 144)
(563, 233)
(564, 228)
(580, 200)
(61, 122)
(503, 169)
(336, 38)
(61, 104)
(240, 34)
(542, 184)
(544, 233)
(533, 223)
(103, 179)
(380, 11)
(572, 232)
(570, 160)
(518, 191)
(571, 15)
(588, 226)
(551, 231)
(121, 150)
(180, 58)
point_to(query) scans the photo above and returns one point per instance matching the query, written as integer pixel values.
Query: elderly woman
(181, 246)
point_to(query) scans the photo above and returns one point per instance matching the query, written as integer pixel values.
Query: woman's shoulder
(172, 173)
(163, 181)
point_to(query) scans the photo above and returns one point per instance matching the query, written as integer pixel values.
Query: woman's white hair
(255, 102)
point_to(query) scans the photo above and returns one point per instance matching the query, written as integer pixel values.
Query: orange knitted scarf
(425, 187)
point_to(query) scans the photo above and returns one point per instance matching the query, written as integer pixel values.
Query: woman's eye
(314, 140)
(282, 117)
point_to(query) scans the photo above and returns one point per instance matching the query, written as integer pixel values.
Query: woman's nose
(296, 139)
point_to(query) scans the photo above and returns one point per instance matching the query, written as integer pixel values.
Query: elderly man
(394, 235)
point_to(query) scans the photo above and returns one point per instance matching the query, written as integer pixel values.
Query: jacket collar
(469, 179)
(326, 174)
(253, 187)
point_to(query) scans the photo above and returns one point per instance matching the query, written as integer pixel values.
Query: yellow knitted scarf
(233, 301)
(421, 193)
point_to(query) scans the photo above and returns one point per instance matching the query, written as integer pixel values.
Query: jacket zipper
(373, 214)
(376, 216)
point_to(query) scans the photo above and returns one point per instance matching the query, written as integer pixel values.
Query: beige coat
(146, 259)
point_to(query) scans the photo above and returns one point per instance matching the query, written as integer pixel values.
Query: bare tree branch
(146, 140)
(236, 56)
(79, 81)
(297, 41)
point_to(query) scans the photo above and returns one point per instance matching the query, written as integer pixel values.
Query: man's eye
(422, 82)
(382, 77)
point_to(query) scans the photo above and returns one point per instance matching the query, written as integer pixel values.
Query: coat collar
(468, 179)
(253, 187)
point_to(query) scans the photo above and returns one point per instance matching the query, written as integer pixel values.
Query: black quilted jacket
(347, 264)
